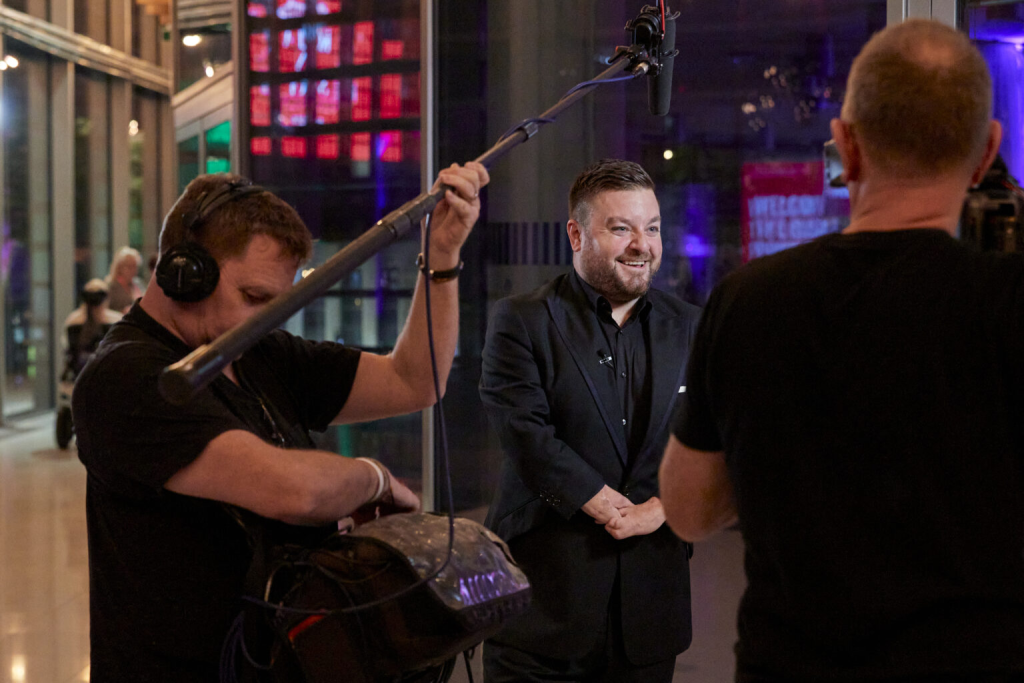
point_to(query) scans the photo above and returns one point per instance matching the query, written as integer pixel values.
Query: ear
(849, 150)
(575, 232)
(995, 137)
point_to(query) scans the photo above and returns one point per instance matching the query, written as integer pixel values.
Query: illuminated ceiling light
(748, 108)
(11, 61)
(668, 154)
(133, 127)
(3, 66)
(209, 71)
(191, 40)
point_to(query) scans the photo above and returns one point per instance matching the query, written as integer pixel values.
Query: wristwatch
(439, 275)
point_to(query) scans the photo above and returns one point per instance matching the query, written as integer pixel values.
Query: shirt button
(623, 373)
(623, 422)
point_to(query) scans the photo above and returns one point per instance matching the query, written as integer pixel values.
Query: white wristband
(380, 477)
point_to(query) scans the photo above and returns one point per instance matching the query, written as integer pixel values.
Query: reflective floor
(44, 609)
(44, 581)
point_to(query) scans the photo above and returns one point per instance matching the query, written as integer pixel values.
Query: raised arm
(402, 381)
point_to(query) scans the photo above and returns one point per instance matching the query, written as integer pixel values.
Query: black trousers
(605, 663)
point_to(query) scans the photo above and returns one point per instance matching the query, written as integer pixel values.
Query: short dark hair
(603, 176)
(228, 230)
(919, 97)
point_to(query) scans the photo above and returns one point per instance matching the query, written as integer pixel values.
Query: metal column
(941, 10)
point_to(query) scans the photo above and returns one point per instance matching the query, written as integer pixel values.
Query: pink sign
(785, 203)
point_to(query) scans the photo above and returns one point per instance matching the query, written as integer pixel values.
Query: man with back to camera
(856, 401)
(579, 378)
(167, 560)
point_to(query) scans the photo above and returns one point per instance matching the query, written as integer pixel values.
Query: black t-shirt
(166, 571)
(867, 392)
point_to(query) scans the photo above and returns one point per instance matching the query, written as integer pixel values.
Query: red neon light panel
(293, 104)
(291, 52)
(259, 51)
(362, 43)
(293, 148)
(259, 105)
(391, 49)
(328, 47)
(291, 9)
(360, 147)
(258, 8)
(328, 102)
(389, 146)
(362, 92)
(260, 147)
(328, 6)
(390, 96)
(328, 146)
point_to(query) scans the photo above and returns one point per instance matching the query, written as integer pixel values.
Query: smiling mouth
(635, 265)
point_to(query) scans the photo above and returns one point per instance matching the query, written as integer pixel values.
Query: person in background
(85, 326)
(123, 279)
(856, 403)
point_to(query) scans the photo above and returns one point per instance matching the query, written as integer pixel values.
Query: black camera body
(993, 213)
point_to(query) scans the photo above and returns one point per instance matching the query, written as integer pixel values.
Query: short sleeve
(317, 377)
(695, 424)
(130, 438)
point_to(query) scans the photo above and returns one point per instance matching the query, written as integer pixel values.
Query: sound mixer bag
(410, 638)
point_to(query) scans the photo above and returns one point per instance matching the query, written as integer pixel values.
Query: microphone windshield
(659, 87)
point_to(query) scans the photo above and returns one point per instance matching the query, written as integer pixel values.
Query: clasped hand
(621, 517)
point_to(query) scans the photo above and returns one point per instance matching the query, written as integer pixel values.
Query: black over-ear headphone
(188, 272)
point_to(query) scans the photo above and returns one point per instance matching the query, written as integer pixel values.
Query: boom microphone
(661, 53)
(659, 82)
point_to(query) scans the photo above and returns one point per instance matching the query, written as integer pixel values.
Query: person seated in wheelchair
(85, 327)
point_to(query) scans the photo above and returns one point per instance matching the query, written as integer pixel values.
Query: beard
(609, 279)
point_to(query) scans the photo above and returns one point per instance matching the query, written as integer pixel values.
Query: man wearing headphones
(167, 485)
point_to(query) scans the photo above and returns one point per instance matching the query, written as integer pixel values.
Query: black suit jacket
(555, 408)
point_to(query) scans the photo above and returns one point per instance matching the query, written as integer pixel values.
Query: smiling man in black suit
(580, 378)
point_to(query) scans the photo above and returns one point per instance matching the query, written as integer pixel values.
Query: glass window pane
(92, 175)
(202, 53)
(188, 161)
(998, 31)
(26, 270)
(145, 147)
(218, 148)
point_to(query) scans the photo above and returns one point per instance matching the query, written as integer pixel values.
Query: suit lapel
(667, 364)
(578, 328)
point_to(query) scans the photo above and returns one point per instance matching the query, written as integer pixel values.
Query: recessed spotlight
(191, 40)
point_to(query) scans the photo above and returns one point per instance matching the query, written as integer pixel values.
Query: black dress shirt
(626, 355)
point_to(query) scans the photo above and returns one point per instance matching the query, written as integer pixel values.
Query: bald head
(919, 97)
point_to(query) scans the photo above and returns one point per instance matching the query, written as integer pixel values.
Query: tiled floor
(44, 625)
